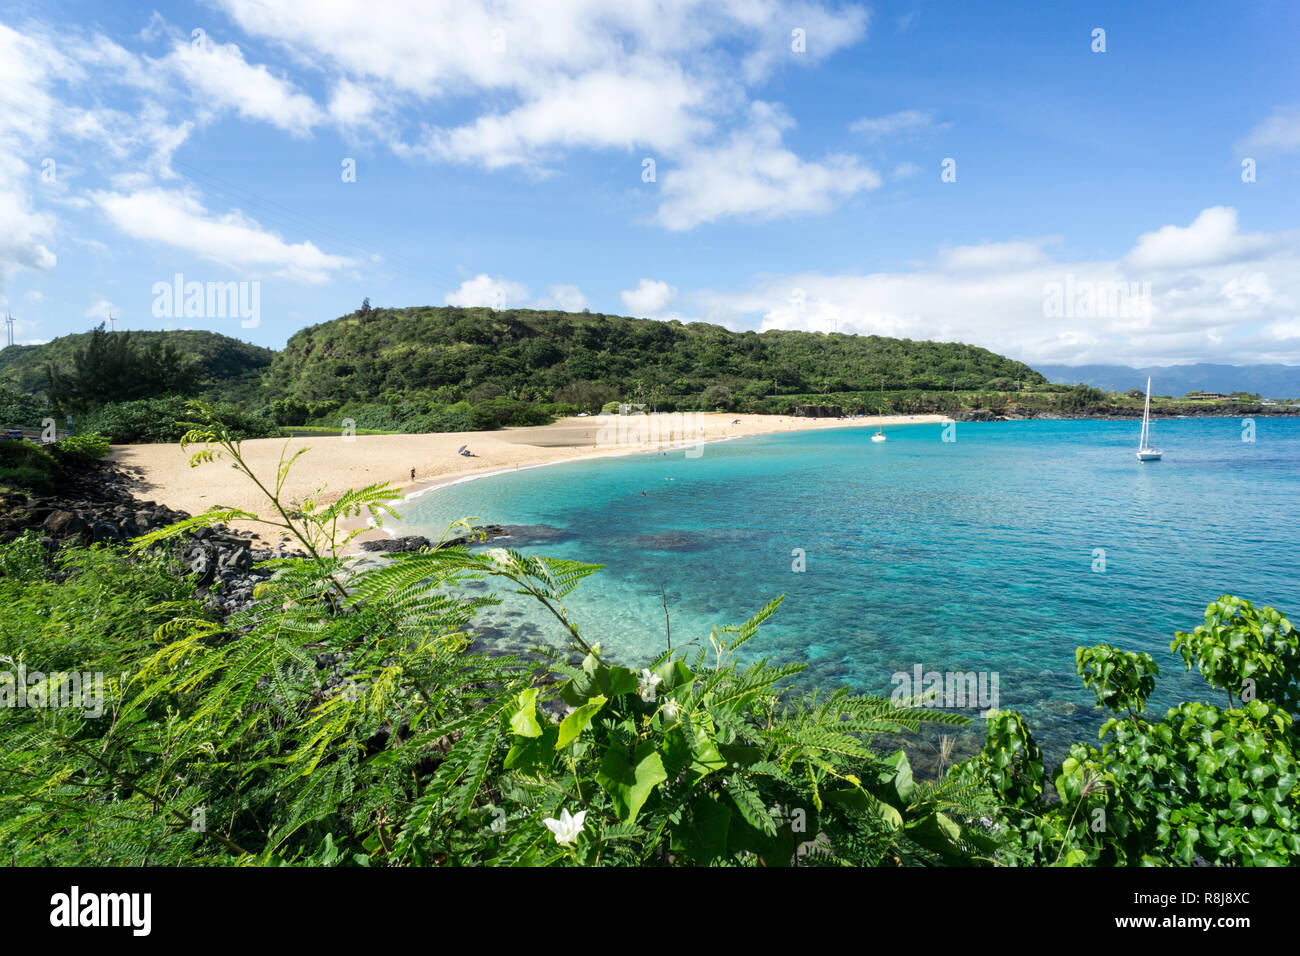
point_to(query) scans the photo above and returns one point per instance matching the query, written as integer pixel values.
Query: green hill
(453, 369)
(233, 369)
(447, 355)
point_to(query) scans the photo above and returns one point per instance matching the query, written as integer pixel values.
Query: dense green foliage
(76, 452)
(341, 720)
(1207, 783)
(444, 355)
(158, 420)
(231, 369)
(20, 410)
(115, 367)
(27, 466)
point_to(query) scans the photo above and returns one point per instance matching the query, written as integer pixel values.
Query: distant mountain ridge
(1268, 381)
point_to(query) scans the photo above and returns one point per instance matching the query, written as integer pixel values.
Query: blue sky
(499, 152)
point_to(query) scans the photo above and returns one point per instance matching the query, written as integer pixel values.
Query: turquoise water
(971, 555)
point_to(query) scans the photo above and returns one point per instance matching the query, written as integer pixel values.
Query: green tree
(110, 367)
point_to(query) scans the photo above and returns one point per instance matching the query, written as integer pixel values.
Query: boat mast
(1146, 417)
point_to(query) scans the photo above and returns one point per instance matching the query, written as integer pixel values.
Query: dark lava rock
(105, 532)
(64, 524)
(410, 542)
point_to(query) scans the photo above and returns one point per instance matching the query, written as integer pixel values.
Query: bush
(27, 466)
(156, 420)
(18, 410)
(77, 452)
(1205, 784)
(502, 412)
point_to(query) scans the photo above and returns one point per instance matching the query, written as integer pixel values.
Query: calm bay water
(972, 555)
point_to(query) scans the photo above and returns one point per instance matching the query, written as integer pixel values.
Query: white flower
(499, 555)
(671, 709)
(646, 687)
(567, 828)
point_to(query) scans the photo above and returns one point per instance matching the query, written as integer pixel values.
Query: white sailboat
(1145, 451)
(880, 432)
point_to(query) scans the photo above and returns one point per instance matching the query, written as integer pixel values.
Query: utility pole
(9, 323)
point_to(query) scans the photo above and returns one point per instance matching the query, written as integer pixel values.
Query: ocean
(993, 554)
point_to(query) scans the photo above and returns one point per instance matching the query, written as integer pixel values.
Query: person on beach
(413, 474)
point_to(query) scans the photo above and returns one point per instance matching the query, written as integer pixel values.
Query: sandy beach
(334, 464)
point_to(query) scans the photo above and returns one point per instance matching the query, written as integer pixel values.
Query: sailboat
(880, 432)
(1145, 451)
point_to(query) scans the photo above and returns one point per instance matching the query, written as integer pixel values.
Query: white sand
(336, 464)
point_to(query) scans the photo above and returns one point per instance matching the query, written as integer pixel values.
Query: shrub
(26, 465)
(159, 420)
(76, 452)
(1206, 783)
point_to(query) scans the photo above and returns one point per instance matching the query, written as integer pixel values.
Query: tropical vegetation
(345, 719)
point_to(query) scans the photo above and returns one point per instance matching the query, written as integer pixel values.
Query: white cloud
(27, 115)
(650, 297)
(221, 78)
(1203, 307)
(436, 48)
(176, 218)
(352, 104)
(602, 109)
(23, 232)
(754, 176)
(484, 290)
(1279, 133)
(101, 309)
(539, 79)
(1213, 237)
(993, 256)
(564, 298)
(905, 121)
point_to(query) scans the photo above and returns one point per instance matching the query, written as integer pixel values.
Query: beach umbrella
(461, 449)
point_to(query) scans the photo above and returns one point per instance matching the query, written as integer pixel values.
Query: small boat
(878, 436)
(1145, 450)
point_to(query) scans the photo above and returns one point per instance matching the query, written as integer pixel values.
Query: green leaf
(621, 681)
(702, 834)
(629, 780)
(523, 722)
(900, 781)
(937, 833)
(532, 754)
(593, 680)
(577, 721)
(855, 798)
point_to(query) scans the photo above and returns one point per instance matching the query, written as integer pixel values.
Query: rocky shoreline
(99, 507)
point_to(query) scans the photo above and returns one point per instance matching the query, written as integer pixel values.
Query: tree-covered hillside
(232, 369)
(450, 354)
(452, 369)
